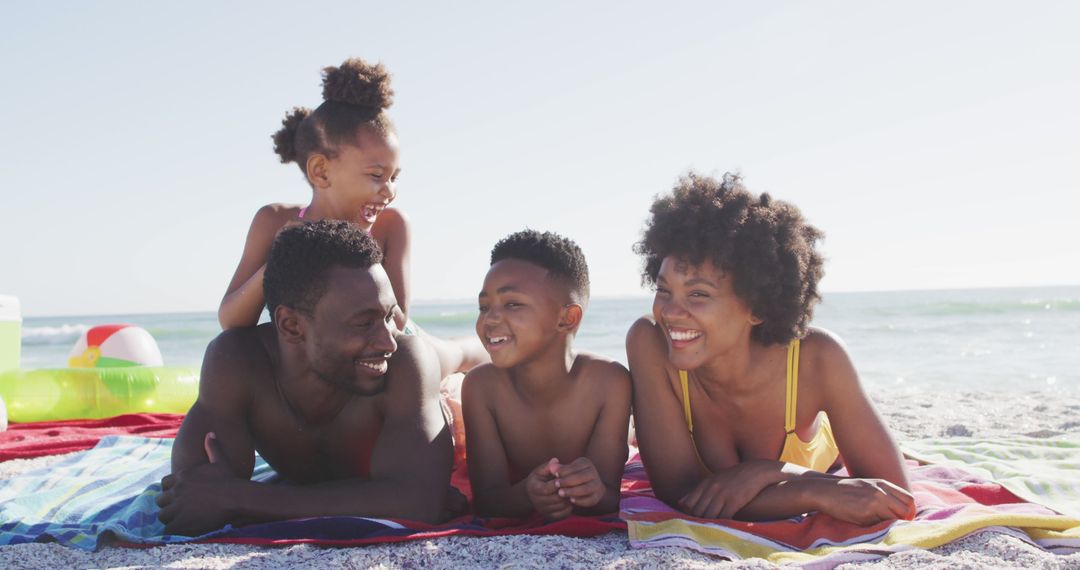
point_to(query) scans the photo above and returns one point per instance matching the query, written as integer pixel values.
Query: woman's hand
(862, 501)
(725, 493)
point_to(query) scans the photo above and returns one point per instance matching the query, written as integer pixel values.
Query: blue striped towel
(92, 497)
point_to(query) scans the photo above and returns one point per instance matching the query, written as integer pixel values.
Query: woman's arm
(866, 445)
(244, 299)
(666, 447)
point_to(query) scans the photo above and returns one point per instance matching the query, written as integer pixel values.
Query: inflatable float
(115, 369)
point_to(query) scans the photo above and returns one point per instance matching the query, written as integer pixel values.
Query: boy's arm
(607, 445)
(244, 298)
(396, 258)
(493, 494)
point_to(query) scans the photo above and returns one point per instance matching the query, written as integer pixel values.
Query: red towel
(24, 441)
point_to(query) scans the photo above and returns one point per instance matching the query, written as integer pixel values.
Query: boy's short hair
(766, 244)
(302, 255)
(560, 256)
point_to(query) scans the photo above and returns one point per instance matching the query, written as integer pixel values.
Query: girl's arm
(392, 231)
(244, 301)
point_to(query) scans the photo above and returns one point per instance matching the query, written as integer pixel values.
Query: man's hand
(543, 493)
(725, 493)
(864, 501)
(580, 483)
(456, 504)
(196, 500)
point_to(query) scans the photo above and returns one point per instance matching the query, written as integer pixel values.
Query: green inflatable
(49, 394)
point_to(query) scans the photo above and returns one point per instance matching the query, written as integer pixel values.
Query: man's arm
(410, 465)
(221, 408)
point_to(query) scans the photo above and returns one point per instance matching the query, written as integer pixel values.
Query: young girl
(347, 149)
(741, 408)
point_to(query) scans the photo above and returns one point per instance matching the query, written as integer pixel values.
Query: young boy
(546, 425)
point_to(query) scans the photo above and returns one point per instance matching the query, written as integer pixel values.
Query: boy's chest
(532, 435)
(303, 453)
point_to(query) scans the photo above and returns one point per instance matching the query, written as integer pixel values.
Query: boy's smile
(518, 312)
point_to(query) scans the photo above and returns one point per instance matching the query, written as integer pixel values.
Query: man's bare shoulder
(238, 353)
(415, 360)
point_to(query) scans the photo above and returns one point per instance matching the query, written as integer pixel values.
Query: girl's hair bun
(285, 138)
(357, 82)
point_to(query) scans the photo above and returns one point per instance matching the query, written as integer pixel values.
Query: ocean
(981, 339)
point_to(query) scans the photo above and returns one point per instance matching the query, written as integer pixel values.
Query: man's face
(351, 330)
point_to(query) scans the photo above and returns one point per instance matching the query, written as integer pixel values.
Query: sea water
(984, 339)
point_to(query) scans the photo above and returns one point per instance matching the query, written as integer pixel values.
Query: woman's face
(700, 314)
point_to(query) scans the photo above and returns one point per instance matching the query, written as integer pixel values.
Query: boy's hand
(196, 499)
(543, 493)
(580, 483)
(725, 493)
(864, 501)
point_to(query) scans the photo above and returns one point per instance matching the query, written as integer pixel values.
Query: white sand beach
(911, 415)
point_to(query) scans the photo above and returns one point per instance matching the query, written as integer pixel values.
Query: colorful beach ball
(107, 346)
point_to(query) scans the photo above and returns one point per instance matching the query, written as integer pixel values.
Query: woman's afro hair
(302, 255)
(560, 256)
(355, 95)
(765, 244)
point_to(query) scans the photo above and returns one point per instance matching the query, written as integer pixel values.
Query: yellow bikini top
(818, 454)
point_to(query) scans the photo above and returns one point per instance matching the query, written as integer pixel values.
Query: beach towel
(37, 439)
(1045, 471)
(106, 495)
(951, 503)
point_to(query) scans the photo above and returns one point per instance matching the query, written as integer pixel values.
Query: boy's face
(520, 311)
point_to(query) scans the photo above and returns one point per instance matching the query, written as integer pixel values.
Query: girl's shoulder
(272, 217)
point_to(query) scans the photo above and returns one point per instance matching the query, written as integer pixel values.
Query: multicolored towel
(1045, 471)
(106, 495)
(951, 504)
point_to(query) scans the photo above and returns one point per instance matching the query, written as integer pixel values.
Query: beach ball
(111, 346)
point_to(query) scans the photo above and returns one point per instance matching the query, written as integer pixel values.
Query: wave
(62, 334)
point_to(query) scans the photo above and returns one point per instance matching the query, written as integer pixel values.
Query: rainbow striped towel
(951, 502)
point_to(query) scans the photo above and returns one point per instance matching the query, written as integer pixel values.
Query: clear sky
(935, 143)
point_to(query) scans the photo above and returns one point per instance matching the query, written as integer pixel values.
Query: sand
(909, 413)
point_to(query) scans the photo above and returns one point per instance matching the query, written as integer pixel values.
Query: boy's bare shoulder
(604, 372)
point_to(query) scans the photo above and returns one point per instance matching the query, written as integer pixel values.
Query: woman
(741, 408)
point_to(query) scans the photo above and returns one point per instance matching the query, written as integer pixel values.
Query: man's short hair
(302, 255)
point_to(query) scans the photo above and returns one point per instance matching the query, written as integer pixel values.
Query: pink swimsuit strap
(302, 212)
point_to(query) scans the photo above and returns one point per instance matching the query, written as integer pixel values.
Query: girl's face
(363, 177)
(700, 314)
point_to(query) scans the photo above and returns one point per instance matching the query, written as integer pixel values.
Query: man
(338, 401)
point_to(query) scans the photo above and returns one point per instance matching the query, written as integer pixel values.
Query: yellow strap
(686, 401)
(792, 386)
